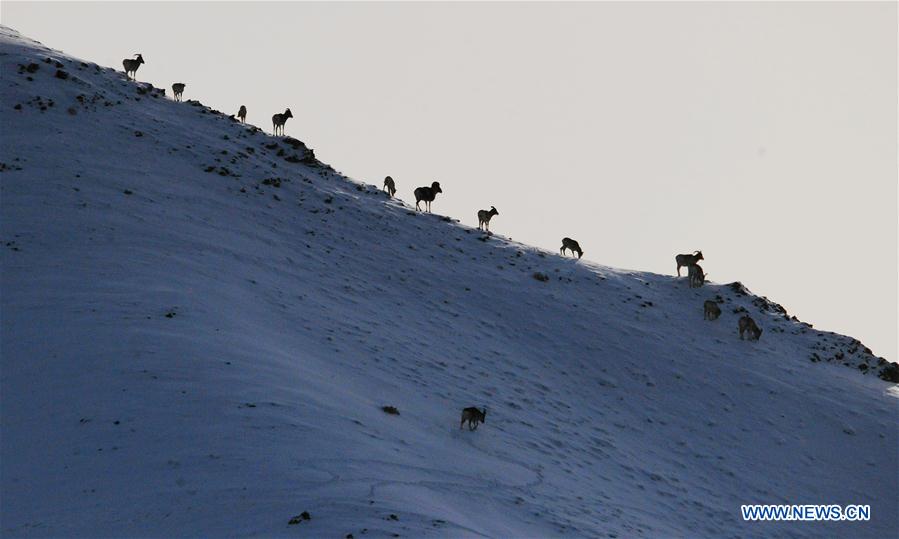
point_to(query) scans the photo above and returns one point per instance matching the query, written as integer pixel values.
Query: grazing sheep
(389, 186)
(473, 416)
(568, 243)
(242, 114)
(687, 260)
(747, 324)
(427, 194)
(695, 275)
(178, 89)
(484, 217)
(711, 310)
(131, 66)
(278, 121)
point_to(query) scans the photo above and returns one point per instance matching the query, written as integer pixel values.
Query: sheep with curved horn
(484, 217)
(687, 260)
(131, 66)
(278, 121)
(426, 195)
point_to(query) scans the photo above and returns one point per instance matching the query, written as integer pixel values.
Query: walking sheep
(747, 324)
(389, 186)
(178, 89)
(711, 310)
(687, 260)
(573, 246)
(427, 194)
(278, 121)
(473, 416)
(484, 217)
(242, 114)
(131, 66)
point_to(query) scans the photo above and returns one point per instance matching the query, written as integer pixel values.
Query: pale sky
(764, 134)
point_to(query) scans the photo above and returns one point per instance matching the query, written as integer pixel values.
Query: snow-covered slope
(201, 324)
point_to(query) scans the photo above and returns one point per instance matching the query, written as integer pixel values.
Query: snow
(297, 312)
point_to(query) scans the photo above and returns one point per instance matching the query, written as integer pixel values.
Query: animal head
(436, 187)
(698, 255)
(243, 108)
(493, 210)
(288, 114)
(387, 180)
(139, 58)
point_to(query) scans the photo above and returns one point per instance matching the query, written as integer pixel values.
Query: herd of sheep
(427, 194)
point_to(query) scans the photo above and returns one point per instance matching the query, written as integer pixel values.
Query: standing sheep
(178, 89)
(427, 194)
(242, 114)
(278, 121)
(131, 66)
(687, 260)
(484, 217)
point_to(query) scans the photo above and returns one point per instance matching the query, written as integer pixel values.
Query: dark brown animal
(748, 325)
(687, 260)
(131, 66)
(695, 275)
(427, 194)
(473, 416)
(484, 217)
(278, 121)
(178, 89)
(711, 310)
(573, 246)
(242, 114)
(389, 186)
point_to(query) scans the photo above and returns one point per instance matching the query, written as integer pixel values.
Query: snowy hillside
(201, 325)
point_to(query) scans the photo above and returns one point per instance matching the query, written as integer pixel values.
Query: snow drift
(201, 324)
